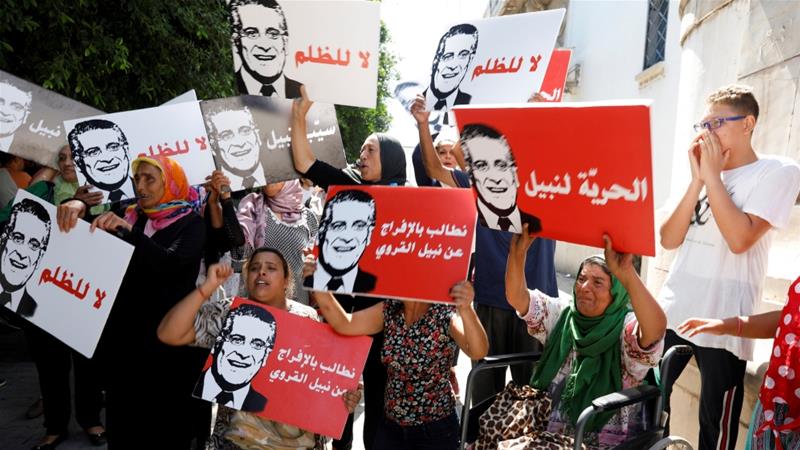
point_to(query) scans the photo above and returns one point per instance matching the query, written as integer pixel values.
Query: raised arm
(516, 286)
(465, 328)
(433, 166)
(177, 326)
(302, 156)
(759, 326)
(651, 318)
(740, 230)
(674, 229)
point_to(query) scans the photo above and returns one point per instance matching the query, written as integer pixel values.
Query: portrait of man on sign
(23, 242)
(100, 151)
(494, 174)
(240, 351)
(344, 234)
(260, 36)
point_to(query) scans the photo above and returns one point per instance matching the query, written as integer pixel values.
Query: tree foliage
(121, 55)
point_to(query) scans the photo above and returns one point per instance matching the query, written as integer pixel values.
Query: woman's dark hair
(287, 274)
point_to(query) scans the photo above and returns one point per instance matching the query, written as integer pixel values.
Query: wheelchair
(652, 396)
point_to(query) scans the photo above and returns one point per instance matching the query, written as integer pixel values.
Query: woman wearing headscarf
(604, 340)
(382, 161)
(277, 218)
(144, 375)
(774, 424)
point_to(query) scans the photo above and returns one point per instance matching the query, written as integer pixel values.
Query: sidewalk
(22, 389)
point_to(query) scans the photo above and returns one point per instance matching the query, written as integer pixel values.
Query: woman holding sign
(195, 321)
(381, 161)
(593, 345)
(420, 341)
(142, 373)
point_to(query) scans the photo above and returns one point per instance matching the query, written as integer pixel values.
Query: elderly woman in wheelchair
(603, 341)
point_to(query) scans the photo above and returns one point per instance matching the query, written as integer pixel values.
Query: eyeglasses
(253, 33)
(481, 165)
(19, 239)
(227, 135)
(238, 339)
(94, 152)
(713, 124)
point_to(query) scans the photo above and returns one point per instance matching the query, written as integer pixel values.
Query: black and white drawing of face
(24, 242)
(261, 37)
(455, 52)
(493, 170)
(246, 343)
(100, 151)
(14, 108)
(347, 233)
(237, 139)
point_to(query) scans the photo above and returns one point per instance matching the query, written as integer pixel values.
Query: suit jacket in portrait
(27, 305)
(462, 98)
(364, 282)
(290, 86)
(253, 401)
(534, 224)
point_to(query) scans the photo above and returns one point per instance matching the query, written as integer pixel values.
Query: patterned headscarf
(288, 202)
(179, 198)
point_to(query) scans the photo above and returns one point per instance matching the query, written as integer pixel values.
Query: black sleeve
(185, 249)
(230, 235)
(419, 168)
(324, 175)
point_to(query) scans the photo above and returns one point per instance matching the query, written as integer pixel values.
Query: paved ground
(22, 389)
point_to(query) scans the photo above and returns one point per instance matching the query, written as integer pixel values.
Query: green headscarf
(597, 368)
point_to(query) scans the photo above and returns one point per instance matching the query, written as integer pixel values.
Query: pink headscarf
(253, 209)
(288, 202)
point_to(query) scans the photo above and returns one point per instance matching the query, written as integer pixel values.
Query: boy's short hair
(737, 96)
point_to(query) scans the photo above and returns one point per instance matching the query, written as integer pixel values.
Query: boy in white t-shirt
(723, 242)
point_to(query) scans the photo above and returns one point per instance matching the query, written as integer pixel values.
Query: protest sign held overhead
(331, 47)
(494, 60)
(572, 171)
(104, 146)
(56, 281)
(31, 119)
(396, 242)
(251, 143)
(267, 361)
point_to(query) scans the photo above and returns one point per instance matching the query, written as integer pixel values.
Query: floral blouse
(207, 325)
(543, 313)
(418, 359)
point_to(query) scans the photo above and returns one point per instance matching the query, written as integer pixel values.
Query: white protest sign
(63, 283)
(104, 146)
(494, 60)
(331, 47)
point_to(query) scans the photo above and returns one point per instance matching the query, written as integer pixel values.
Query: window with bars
(656, 37)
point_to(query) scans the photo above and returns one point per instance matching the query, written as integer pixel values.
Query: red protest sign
(573, 170)
(555, 77)
(396, 242)
(284, 367)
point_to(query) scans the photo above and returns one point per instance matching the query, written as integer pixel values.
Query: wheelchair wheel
(672, 443)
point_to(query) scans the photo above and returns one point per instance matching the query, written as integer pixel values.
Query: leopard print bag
(518, 420)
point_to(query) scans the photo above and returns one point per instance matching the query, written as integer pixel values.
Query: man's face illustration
(14, 107)
(494, 173)
(453, 62)
(105, 157)
(23, 249)
(244, 350)
(348, 234)
(237, 139)
(263, 42)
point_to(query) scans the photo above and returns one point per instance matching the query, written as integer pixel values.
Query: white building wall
(607, 38)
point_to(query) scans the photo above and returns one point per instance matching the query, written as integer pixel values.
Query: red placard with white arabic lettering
(302, 377)
(418, 247)
(582, 169)
(555, 77)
